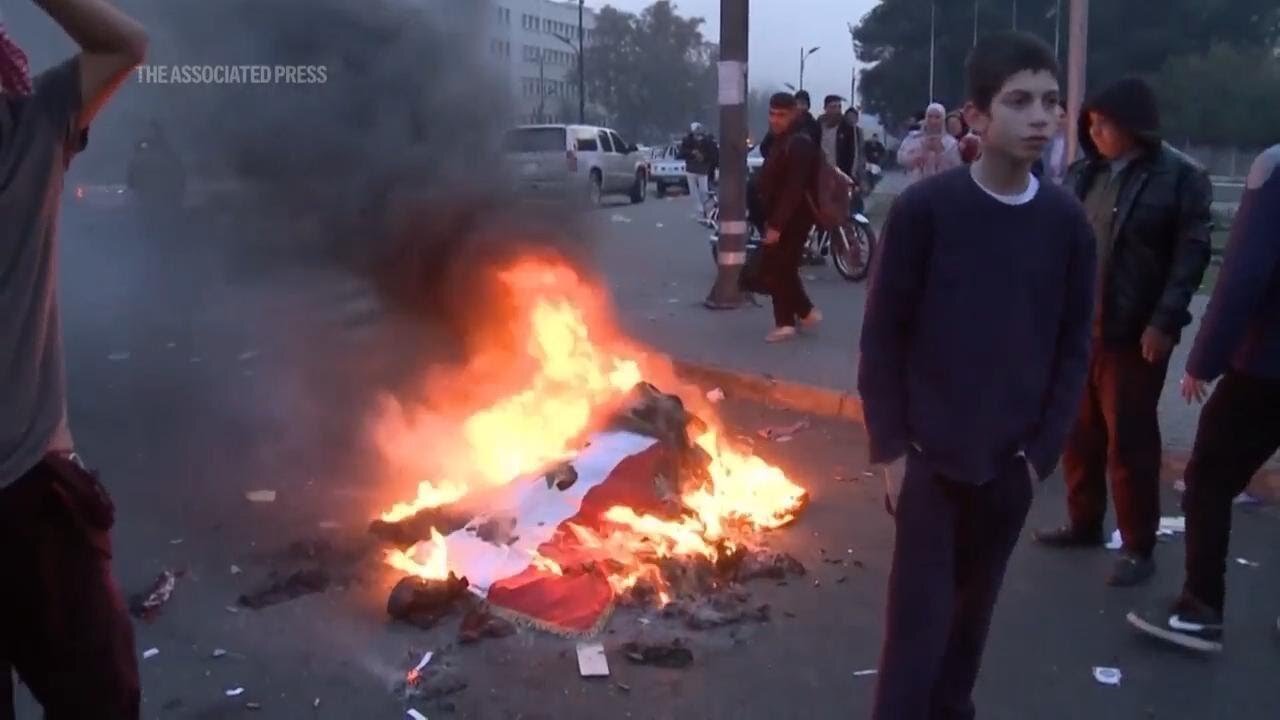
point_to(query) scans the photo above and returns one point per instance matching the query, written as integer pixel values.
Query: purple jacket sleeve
(897, 284)
(1252, 257)
(1071, 363)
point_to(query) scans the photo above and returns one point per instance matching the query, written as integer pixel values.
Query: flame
(575, 372)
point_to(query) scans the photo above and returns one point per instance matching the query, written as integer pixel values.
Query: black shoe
(1189, 624)
(1068, 536)
(1131, 570)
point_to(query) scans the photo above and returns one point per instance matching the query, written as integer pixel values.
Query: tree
(1242, 114)
(1125, 37)
(652, 73)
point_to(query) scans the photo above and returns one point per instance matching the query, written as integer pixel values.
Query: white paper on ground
(1248, 563)
(233, 692)
(415, 714)
(1107, 675)
(1173, 525)
(150, 653)
(864, 673)
(591, 660)
(1115, 543)
(538, 512)
(423, 662)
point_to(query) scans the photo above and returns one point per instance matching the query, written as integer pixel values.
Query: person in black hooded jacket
(1149, 206)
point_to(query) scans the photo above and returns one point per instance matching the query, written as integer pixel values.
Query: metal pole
(542, 86)
(933, 12)
(1057, 32)
(1077, 47)
(975, 23)
(732, 242)
(582, 70)
(801, 67)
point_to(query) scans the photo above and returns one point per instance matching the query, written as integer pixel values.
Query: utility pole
(975, 23)
(731, 245)
(804, 55)
(853, 72)
(1077, 52)
(582, 69)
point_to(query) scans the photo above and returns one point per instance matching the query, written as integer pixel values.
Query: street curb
(831, 403)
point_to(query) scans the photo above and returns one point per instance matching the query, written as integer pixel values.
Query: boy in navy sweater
(1239, 430)
(974, 351)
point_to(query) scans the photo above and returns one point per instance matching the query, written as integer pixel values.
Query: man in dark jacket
(700, 155)
(1149, 208)
(786, 180)
(807, 122)
(1239, 340)
(840, 141)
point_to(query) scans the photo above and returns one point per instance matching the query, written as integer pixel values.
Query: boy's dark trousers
(63, 625)
(952, 546)
(781, 263)
(1239, 431)
(1117, 433)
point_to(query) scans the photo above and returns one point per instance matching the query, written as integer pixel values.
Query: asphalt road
(231, 384)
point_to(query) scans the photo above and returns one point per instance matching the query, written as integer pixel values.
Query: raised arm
(111, 45)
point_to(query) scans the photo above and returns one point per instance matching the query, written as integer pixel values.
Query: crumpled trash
(778, 434)
(666, 655)
(150, 653)
(424, 602)
(479, 623)
(1107, 675)
(1248, 563)
(303, 582)
(235, 692)
(145, 605)
(620, 218)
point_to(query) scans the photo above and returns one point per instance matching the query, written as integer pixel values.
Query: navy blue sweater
(1241, 328)
(975, 343)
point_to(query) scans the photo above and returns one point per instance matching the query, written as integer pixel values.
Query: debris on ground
(767, 564)
(176, 541)
(716, 395)
(235, 570)
(1248, 563)
(1172, 525)
(592, 661)
(219, 652)
(1115, 543)
(865, 673)
(479, 623)
(261, 496)
(252, 706)
(1245, 498)
(415, 714)
(150, 653)
(247, 355)
(1107, 675)
(235, 692)
(302, 582)
(145, 605)
(620, 218)
(665, 655)
(429, 681)
(423, 602)
(785, 431)
(118, 356)
(718, 610)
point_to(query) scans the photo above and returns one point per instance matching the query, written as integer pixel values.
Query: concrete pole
(731, 245)
(1077, 52)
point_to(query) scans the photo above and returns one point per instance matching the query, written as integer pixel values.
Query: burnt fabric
(1117, 433)
(1239, 431)
(952, 546)
(63, 623)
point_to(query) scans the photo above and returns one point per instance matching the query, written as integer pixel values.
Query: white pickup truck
(667, 170)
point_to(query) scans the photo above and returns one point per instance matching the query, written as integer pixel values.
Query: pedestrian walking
(63, 625)
(1239, 341)
(929, 150)
(1149, 208)
(966, 418)
(841, 141)
(807, 122)
(699, 153)
(786, 184)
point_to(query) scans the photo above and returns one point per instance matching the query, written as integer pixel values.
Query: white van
(582, 160)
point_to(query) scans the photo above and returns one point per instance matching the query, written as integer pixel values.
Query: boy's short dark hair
(782, 101)
(1000, 56)
(803, 96)
(832, 98)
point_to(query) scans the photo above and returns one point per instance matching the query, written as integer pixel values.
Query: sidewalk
(659, 277)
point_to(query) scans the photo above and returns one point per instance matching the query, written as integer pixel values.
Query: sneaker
(812, 319)
(780, 334)
(1067, 536)
(1189, 624)
(1131, 570)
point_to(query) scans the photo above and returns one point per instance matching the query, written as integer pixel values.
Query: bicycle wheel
(852, 246)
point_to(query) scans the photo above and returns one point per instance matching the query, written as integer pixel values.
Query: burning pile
(576, 484)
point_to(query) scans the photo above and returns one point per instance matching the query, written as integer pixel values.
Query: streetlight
(804, 55)
(933, 31)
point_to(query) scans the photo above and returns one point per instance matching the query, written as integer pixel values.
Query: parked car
(576, 161)
(668, 170)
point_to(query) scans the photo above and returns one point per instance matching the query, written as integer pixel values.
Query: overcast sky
(778, 30)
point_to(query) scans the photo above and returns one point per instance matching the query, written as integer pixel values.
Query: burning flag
(592, 482)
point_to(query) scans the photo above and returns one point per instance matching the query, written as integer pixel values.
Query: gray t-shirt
(38, 136)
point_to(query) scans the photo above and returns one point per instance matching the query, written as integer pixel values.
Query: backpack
(831, 196)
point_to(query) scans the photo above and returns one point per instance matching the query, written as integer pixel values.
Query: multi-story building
(536, 42)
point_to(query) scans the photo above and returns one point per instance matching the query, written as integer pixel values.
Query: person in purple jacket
(1239, 341)
(974, 351)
